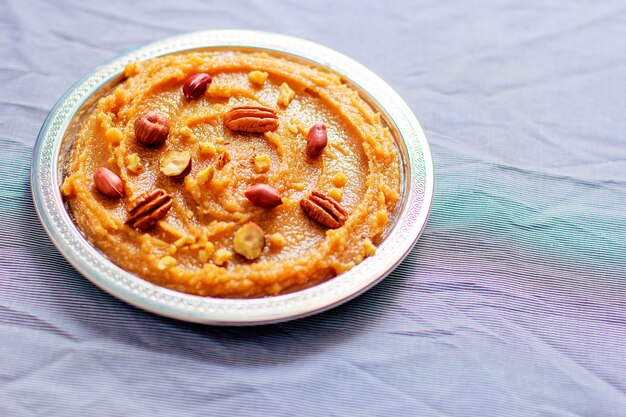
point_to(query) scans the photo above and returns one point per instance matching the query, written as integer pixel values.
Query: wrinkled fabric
(513, 302)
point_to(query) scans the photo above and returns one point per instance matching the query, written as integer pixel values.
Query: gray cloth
(511, 304)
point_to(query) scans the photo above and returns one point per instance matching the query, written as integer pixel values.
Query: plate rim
(159, 300)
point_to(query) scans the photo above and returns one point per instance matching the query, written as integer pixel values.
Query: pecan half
(324, 210)
(251, 119)
(148, 208)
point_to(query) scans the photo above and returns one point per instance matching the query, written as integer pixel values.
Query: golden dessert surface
(276, 177)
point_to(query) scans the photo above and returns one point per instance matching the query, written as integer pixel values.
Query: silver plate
(402, 233)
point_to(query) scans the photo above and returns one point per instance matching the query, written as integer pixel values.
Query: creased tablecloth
(513, 302)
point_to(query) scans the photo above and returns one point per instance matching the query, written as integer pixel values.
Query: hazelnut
(206, 175)
(207, 148)
(134, 163)
(249, 241)
(316, 140)
(222, 159)
(263, 195)
(175, 164)
(258, 77)
(152, 128)
(108, 183)
(262, 163)
(285, 94)
(195, 86)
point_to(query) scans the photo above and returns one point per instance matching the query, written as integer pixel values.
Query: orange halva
(232, 174)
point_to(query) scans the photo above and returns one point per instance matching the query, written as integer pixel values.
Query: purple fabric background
(513, 302)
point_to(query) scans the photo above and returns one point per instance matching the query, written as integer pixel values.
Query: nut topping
(316, 140)
(285, 94)
(152, 128)
(134, 163)
(249, 241)
(108, 183)
(262, 163)
(222, 159)
(206, 175)
(263, 195)
(251, 119)
(324, 210)
(258, 77)
(195, 85)
(175, 164)
(148, 208)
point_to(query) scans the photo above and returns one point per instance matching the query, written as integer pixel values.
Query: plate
(403, 231)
